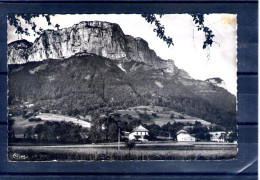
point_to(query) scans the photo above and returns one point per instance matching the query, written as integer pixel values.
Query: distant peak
(21, 41)
(216, 81)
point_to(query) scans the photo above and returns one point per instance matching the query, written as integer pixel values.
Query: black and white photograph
(122, 87)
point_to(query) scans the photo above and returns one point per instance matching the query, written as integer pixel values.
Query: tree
(198, 19)
(96, 134)
(59, 132)
(11, 133)
(160, 30)
(130, 144)
(201, 132)
(154, 115)
(113, 132)
(172, 129)
(15, 21)
(154, 130)
(28, 134)
(181, 117)
(232, 137)
(38, 131)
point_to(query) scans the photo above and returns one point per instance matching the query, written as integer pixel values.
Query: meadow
(163, 115)
(110, 152)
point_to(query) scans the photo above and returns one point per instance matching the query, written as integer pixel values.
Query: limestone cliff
(18, 52)
(96, 37)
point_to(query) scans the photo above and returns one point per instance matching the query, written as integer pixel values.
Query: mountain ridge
(91, 83)
(97, 37)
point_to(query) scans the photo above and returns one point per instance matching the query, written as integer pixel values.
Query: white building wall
(133, 134)
(185, 137)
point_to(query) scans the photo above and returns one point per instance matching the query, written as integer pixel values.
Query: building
(139, 133)
(218, 136)
(183, 135)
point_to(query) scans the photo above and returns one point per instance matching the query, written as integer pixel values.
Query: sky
(220, 60)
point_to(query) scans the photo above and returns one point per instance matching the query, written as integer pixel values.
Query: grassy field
(109, 152)
(59, 118)
(21, 123)
(163, 115)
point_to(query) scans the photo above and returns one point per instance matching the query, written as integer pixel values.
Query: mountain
(100, 38)
(93, 68)
(217, 82)
(18, 52)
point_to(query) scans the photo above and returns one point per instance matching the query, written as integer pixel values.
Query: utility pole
(118, 148)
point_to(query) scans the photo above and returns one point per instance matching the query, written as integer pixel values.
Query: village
(140, 133)
(114, 139)
(140, 124)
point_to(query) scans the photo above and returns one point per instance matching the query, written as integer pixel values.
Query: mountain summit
(217, 82)
(101, 38)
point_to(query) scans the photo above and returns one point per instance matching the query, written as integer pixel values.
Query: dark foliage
(14, 20)
(11, 132)
(181, 117)
(232, 137)
(56, 132)
(105, 129)
(130, 145)
(72, 94)
(172, 129)
(160, 30)
(154, 130)
(200, 132)
(199, 21)
(33, 119)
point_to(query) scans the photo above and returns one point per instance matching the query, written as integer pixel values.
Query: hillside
(93, 68)
(88, 84)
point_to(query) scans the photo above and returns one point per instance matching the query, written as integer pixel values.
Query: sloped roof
(140, 129)
(182, 131)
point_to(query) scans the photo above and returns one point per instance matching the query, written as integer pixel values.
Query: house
(139, 133)
(183, 135)
(218, 136)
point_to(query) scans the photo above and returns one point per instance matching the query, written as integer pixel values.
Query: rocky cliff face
(18, 52)
(217, 82)
(100, 38)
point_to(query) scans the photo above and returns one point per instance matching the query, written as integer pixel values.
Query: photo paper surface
(120, 87)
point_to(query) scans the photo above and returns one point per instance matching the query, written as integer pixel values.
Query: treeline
(200, 108)
(56, 132)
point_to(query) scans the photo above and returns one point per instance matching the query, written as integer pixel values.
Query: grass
(20, 123)
(88, 153)
(58, 117)
(163, 115)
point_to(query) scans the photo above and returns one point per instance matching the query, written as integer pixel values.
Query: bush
(181, 117)
(34, 119)
(154, 115)
(25, 116)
